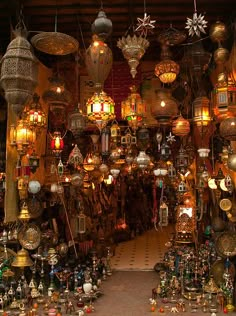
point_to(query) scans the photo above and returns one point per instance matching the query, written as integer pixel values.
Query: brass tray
(226, 244)
(35, 207)
(55, 43)
(29, 236)
(225, 205)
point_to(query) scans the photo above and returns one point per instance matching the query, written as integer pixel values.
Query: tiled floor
(142, 252)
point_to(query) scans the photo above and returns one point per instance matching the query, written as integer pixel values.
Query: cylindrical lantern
(105, 135)
(57, 143)
(201, 111)
(19, 71)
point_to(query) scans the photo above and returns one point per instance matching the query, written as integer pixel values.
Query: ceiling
(75, 18)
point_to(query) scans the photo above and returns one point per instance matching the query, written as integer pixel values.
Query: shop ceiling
(75, 18)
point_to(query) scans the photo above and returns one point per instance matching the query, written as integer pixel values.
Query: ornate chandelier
(133, 49)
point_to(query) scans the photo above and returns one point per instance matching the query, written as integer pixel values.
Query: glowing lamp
(167, 71)
(201, 109)
(57, 143)
(100, 109)
(35, 115)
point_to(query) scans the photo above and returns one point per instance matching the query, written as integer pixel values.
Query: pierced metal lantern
(102, 26)
(133, 49)
(143, 160)
(165, 107)
(180, 126)
(76, 122)
(228, 128)
(98, 61)
(19, 71)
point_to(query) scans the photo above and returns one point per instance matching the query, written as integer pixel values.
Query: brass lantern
(22, 136)
(165, 107)
(76, 122)
(133, 49)
(201, 111)
(19, 70)
(224, 98)
(133, 108)
(180, 126)
(98, 61)
(167, 69)
(228, 128)
(35, 116)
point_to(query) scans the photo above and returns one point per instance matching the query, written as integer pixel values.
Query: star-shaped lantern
(145, 25)
(170, 138)
(196, 25)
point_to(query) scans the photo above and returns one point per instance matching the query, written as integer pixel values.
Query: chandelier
(100, 109)
(133, 49)
(133, 108)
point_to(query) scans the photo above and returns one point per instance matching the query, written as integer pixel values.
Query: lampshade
(180, 126)
(167, 70)
(100, 109)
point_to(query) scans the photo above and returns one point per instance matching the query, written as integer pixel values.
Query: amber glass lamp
(36, 117)
(201, 111)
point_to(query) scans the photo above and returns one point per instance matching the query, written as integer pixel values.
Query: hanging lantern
(218, 32)
(228, 128)
(57, 143)
(22, 137)
(224, 98)
(98, 61)
(35, 115)
(105, 146)
(133, 109)
(133, 49)
(75, 157)
(34, 162)
(165, 107)
(166, 70)
(203, 152)
(143, 160)
(19, 70)
(182, 160)
(100, 109)
(115, 133)
(180, 126)
(76, 122)
(165, 151)
(201, 111)
(102, 26)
